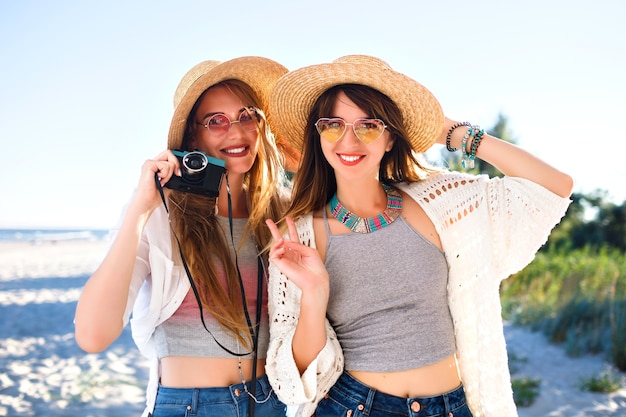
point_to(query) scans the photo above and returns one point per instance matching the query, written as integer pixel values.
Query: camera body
(202, 174)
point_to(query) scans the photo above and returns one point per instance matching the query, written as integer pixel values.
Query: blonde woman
(185, 261)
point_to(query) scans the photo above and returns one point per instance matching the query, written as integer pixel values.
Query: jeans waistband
(370, 398)
(235, 392)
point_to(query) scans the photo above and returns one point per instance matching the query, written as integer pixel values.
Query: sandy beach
(44, 373)
(42, 370)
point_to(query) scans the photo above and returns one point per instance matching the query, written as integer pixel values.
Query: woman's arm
(512, 160)
(301, 367)
(99, 318)
(304, 267)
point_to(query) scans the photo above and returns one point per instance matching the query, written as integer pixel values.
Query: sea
(52, 235)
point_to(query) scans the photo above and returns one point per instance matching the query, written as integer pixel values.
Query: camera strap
(254, 333)
(254, 330)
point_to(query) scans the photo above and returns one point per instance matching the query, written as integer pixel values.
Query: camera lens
(195, 162)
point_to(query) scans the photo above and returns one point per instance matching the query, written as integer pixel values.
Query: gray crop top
(183, 334)
(388, 298)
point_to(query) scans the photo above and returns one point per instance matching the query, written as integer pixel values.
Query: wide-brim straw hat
(295, 93)
(258, 72)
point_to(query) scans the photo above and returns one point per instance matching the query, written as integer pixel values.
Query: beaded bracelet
(468, 134)
(464, 153)
(448, 136)
(468, 158)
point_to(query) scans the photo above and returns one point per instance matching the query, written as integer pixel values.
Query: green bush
(575, 297)
(525, 391)
(605, 383)
(618, 333)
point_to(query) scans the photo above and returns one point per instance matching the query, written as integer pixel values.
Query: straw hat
(296, 92)
(259, 73)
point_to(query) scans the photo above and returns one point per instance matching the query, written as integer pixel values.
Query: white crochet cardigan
(489, 229)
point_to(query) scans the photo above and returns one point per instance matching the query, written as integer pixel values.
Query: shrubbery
(576, 297)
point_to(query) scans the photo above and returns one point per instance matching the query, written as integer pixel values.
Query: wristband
(470, 157)
(448, 136)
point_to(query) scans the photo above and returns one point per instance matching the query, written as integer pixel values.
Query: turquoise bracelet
(475, 144)
(467, 161)
(464, 154)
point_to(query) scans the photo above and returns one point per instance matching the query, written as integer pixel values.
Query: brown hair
(400, 164)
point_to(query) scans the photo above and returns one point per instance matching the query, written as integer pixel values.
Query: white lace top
(489, 229)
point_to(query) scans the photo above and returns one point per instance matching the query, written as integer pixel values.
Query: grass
(605, 383)
(525, 390)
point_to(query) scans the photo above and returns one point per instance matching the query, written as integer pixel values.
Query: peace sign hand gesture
(300, 263)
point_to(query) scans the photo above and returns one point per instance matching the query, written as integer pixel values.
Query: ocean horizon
(39, 235)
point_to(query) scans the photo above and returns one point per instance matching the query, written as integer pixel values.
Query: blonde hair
(195, 223)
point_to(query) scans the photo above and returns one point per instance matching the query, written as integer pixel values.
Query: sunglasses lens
(249, 119)
(218, 123)
(331, 129)
(368, 130)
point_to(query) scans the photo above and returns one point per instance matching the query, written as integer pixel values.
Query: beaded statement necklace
(368, 224)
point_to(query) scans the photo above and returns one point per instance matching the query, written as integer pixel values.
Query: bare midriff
(435, 379)
(197, 372)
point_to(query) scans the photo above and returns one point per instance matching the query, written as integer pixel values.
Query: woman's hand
(166, 165)
(301, 263)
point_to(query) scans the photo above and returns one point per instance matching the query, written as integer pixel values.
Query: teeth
(235, 150)
(349, 158)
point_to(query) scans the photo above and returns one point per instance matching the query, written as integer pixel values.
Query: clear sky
(86, 87)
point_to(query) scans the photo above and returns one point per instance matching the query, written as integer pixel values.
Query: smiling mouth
(235, 151)
(349, 158)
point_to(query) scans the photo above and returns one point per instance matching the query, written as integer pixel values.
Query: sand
(44, 373)
(42, 370)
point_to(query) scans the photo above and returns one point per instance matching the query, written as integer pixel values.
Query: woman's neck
(363, 199)
(238, 199)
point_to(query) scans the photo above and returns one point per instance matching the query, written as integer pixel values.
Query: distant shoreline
(39, 235)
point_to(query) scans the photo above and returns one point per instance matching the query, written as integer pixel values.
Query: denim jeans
(217, 402)
(348, 397)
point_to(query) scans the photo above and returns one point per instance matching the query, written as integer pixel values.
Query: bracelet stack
(467, 160)
(473, 136)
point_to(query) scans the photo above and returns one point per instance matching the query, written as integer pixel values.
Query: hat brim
(258, 72)
(295, 93)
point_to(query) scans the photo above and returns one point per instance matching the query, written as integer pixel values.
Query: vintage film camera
(202, 174)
